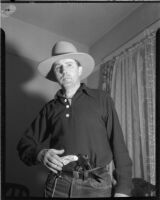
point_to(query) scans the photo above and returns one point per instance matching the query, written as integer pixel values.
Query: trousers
(66, 186)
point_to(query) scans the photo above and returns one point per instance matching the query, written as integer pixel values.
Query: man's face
(67, 72)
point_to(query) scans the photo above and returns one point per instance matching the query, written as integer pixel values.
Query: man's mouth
(66, 78)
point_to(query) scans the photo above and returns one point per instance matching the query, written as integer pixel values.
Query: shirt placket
(68, 109)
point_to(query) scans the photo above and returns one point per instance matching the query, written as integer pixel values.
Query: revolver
(83, 163)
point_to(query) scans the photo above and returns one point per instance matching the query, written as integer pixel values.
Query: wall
(26, 93)
(93, 79)
(21, 109)
(140, 19)
(31, 41)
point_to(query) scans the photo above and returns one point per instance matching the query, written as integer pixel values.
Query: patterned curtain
(105, 80)
(133, 91)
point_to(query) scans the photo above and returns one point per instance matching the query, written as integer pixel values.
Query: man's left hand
(120, 195)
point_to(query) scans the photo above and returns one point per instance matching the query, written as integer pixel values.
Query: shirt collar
(82, 88)
(86, 89)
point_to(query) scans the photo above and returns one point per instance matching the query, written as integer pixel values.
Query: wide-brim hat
(63, 50)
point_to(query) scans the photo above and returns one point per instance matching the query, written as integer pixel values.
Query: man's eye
(70, 65)
(58, 68)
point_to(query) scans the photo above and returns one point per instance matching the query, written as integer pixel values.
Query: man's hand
(120, 195)
(68, 159)
(50, 158)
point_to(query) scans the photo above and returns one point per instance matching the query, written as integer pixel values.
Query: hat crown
(63, 47)
(65, 50)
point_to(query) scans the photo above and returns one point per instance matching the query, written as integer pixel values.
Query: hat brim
(86, 61)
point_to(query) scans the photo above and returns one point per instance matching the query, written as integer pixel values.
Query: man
(85, 134)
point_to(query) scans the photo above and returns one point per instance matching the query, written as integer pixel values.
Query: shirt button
(67, 115)
(67, 106)
(65, 100)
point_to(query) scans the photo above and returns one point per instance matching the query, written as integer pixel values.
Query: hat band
(58, 54)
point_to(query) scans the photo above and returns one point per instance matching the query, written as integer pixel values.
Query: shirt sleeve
(31, 142)
(122, 161)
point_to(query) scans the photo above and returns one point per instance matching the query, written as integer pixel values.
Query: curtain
(105, 80)
(133, 91)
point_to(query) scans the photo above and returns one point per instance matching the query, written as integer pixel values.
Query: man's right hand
(50, 159)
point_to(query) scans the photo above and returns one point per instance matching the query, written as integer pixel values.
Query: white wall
(140, 19)
(31, 41)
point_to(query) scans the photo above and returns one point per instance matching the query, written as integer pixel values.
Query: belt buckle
(85, 175)
(108, 167)
(76, 174)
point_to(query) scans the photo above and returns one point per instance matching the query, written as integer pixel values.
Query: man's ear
(80, 68)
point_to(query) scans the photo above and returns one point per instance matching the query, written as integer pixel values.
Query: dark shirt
(89, 126)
